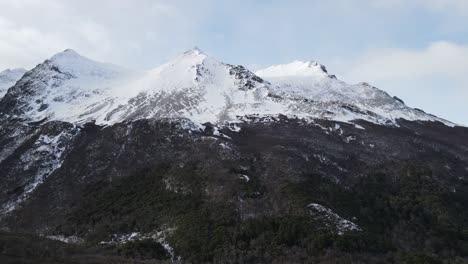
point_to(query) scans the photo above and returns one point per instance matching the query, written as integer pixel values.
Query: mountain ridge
(197, 87)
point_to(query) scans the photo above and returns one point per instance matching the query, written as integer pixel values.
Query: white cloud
(145, 33)
(137, 33)
(459, 7)
(433, 78)
(443, 58)
(16, 42)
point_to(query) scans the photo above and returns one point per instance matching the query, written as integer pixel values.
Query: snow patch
(224, 146)
(66, 239)
(244, 177)
(325, 160)
(348, 139)
(330, 218)
(158, 236)
(359, 127)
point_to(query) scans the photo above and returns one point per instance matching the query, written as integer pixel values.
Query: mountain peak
(295, 68)
(192, 56)
(195, 86)
(70, 51)
(73, 63)
(194, 51)
(68, 60)
(66, 54)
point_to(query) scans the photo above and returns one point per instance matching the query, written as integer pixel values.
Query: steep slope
(8, 78)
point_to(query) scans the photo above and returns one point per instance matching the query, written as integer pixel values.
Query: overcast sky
(416, 50)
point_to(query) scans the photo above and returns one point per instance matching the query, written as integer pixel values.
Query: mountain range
(202, 161)
(71, 88)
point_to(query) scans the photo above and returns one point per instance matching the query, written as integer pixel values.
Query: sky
(416, 50)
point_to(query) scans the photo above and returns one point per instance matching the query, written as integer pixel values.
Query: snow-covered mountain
(69, 87)
(193, 86)
(63, 88)
(88, 150)
(322, 95)
(8, 78)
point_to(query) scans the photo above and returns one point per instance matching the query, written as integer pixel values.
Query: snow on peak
(71, 62)
(179, 73)
(68, 53)
(188, 59)
(193, 85)
(8, 78)
(66, 87)
(295, 68)
(327, 97)
(73, 88)
(194, 51)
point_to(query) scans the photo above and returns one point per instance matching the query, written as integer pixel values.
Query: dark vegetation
(408, 193)
(408, 219)
(30, 249)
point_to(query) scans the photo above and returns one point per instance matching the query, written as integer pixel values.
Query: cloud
(15, 43)
(444, 58)
(139, 33)
(349, 36)
(433, 78)
(453, 7)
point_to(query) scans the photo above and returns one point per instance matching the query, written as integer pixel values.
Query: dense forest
(409, 219)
